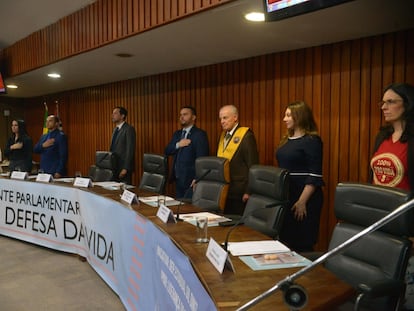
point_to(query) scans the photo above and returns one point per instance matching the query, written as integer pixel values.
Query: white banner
(137, 260)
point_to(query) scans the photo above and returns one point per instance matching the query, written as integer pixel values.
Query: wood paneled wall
(342, 82)
(100, 23)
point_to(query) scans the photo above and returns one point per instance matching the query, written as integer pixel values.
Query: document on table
(153, 200)
(111, 185)
(65, 179)
(275, 261)
(257, 247)
(213, 219)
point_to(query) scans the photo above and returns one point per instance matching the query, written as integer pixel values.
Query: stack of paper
(257, 247)
(213, 219)
(275, 261)
(153, 200)
(112, 185)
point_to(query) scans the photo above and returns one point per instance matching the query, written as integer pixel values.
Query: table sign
(44, 177)
(129, 197)
(165, 214)
(82, 182)
(218, 256)
(19, 175)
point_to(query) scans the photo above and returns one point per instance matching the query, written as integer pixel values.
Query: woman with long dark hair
(19, 148)
(392, 163)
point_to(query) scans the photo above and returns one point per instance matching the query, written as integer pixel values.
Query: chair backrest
(380, 255)
(105, 160)
(265, 209)
(104, 166)
(155, 173)
(210, 193)
(100, 174)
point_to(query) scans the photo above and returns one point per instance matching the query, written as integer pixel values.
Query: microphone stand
(182, 200)
(243, 218)
(287, 283)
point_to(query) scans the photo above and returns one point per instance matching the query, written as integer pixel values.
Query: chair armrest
(381, 288)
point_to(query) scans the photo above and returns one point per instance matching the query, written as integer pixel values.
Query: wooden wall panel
(342, 82)
(100, 23)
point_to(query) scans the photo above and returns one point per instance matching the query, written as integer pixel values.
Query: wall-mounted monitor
(2, 85)
(281, 9)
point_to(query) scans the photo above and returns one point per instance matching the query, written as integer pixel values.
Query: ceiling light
(124, 55)
(53, 75)
(12, 86)
(255, 17)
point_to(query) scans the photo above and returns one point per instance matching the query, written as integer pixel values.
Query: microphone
(297, 295)
(294, 295)
(201, 177)
(240, 221)
(182, 200)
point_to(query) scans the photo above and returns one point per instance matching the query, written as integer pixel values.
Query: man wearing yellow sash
(238, 145)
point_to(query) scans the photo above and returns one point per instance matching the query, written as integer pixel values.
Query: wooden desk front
(232, 290)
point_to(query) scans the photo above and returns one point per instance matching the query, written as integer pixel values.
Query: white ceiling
(215, 36)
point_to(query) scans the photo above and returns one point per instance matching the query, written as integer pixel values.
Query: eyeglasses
(389, 102)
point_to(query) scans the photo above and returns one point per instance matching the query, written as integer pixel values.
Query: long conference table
(151, 265)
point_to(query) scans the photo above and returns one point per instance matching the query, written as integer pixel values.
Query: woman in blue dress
(300, 152)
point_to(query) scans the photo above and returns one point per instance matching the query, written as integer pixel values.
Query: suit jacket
(245, 156)
(124, 149)
(53, 159)
(184, 158)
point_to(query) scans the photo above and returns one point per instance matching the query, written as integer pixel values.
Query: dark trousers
(183, 189)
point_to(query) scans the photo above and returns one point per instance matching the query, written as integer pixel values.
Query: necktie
(227, 139)
(183, 134)
(114, 135)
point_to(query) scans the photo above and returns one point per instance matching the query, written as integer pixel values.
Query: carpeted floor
(37, 278)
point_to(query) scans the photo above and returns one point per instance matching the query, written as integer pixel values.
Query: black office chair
(103, 168)
(210, 193)
(265, 209)
(375, 265)
(154, 177)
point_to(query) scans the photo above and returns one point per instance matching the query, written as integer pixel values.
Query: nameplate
(44, 177)
(129, 197)
(165, 214)
(19, 175)
(82, 182)
(217, 255)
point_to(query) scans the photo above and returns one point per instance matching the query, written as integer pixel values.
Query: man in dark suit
(123, 146)
(238, 145)
(186, 146)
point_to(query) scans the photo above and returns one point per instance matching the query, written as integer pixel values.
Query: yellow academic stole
(233, 144)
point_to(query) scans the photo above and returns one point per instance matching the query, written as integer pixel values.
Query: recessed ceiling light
(255, 17)
(12, 86)
(53, 75)
(124, 55)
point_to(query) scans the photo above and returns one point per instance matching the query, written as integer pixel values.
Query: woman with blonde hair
(300, 152)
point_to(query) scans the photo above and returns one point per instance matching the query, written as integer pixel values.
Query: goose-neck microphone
(183, 199)
(243, 218)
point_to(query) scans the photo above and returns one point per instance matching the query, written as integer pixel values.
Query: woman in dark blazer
(19, 148)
